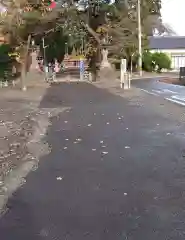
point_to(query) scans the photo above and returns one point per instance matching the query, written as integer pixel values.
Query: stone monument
(105, 63)
(106, 70)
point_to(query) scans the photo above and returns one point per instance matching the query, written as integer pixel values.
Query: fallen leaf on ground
(59, 178)
(79, 139)
(104, 153)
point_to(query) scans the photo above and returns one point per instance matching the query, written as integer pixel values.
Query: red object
(52, 5)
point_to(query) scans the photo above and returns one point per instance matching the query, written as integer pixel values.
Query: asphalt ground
(115, 171)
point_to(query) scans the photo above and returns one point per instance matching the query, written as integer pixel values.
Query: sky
(173, 13)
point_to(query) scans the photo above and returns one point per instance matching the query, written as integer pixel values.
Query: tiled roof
(167, 42)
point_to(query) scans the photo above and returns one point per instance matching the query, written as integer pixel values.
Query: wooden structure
(73, 62)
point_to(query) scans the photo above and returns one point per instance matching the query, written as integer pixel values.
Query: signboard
(82, 66)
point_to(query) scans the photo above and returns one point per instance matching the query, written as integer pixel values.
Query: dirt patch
(23, 127)
(19, 113)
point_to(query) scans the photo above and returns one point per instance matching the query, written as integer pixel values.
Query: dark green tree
(26, 19)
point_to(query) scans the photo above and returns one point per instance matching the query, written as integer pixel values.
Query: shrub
(5, 61)
(161, 61)
(156, 61)
(148, 63)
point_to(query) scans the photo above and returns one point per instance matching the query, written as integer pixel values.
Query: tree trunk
(93, 33)
(94, 72)
(93, 69)
(23, 78)
(24, 64)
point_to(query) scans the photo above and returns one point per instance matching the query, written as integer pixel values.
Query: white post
(44, 58)
(123, 71)
(127, 81)
(90, 77)
(81, 76)
(24, 88)
(6, 83)
(131, 66)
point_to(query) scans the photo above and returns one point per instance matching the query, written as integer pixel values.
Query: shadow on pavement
(72, 94)
(73, 73)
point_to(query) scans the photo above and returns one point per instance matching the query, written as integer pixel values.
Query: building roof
(167, 42)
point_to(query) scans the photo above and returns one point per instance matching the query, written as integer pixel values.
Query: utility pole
(139, 37)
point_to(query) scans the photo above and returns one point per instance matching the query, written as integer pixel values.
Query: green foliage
(5, 61)
(55, 46)
(156, 61)
(148, 64)
(66, 23)
(161, 61)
